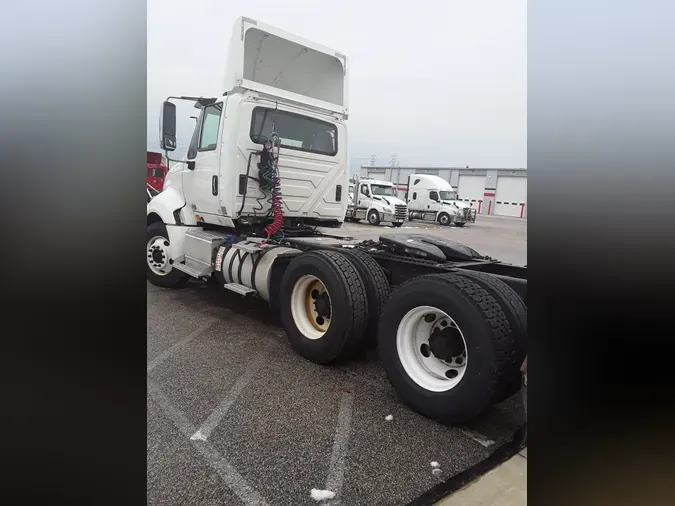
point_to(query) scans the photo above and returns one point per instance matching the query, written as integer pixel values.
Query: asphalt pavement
(236, 417)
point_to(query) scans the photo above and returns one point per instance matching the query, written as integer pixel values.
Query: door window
(433, 196)
(209, 134)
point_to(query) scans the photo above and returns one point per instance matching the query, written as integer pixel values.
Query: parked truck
(266, 165)
(156, 172)
(431, 198)
(376, 202)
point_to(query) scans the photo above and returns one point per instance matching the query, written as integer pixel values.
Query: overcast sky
(436, 82)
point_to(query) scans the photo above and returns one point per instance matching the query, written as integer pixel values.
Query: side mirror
(168, 140)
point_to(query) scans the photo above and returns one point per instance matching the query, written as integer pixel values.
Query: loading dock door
(470, 189)
(511, 196)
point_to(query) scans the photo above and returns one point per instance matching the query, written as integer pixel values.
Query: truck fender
(169, 207)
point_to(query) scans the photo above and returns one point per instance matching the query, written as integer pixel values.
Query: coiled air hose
(270, 186)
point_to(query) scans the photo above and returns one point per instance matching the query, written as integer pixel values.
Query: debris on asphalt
(321, 495)
(389, 418)
(435, 464)
(436, 471)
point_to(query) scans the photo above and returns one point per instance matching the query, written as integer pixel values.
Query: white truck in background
(376, 202)
(432, 198)
(266, 164)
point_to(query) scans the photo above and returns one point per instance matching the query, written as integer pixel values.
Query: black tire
(444, 219)
(377, 289)
(398, 225)
(460, 224)
(486, 330)
(374, 217)
(516, 312)
(410, 217)
(348, 300)
(174, 278)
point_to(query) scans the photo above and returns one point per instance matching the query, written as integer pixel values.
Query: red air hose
(274, 230)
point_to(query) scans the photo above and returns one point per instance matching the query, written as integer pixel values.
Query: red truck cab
(156, 171)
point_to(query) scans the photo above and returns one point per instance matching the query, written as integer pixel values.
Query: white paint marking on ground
(198, 436)
(336, 471)
(221, 410)
(478, 438)
(180, 344)
(229, 475)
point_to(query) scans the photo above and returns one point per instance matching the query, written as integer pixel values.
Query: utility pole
(393, 161)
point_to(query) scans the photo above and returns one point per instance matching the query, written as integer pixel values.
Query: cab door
(200, 179)
(364, 201)
(434, 204)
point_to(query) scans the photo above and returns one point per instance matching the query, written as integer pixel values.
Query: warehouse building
(501, 192)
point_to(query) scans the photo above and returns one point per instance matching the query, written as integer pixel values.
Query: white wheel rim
(413, 340)
(309, 302)
(372, 218)
(444, 219)
(157, 255)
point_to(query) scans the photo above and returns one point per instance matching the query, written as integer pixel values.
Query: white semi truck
(431, 198)
(268, 163)
(376, 202)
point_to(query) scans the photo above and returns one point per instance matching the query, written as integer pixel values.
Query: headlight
(387, 210)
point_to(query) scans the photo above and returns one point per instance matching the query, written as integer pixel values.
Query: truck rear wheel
(377, 288)
(516, 313)
(446, 346)
(323, 306)
(159, 269)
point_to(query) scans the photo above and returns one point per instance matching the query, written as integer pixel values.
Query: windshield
(445, 195)
(380, 189)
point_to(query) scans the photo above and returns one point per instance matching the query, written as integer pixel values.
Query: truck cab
(376, 202)
(227, 178)
(432, 198)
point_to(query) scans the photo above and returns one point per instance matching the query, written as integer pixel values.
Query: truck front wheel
(446, 346)
(158, 263)
(374, 217)
(323, 306)
(444, 219)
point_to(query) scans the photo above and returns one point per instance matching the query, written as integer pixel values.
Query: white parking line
(338, 457)
(221, 410)
(477, 437)
(229, 475)
(180, 344)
